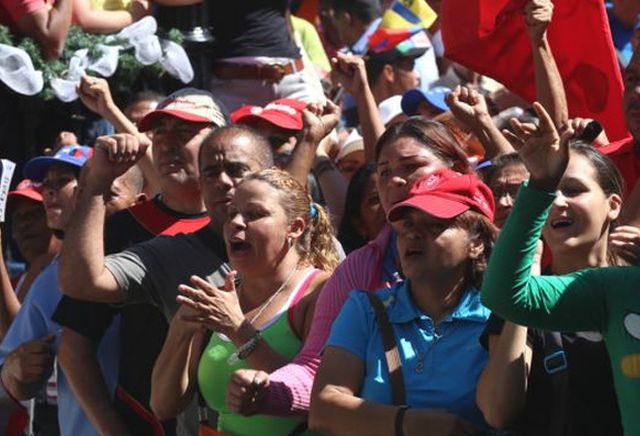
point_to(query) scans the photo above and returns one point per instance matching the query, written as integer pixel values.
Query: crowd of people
(328, 239)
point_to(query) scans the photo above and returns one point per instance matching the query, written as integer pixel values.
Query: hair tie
(313, 210)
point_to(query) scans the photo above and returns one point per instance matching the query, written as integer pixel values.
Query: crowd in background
(320, 236)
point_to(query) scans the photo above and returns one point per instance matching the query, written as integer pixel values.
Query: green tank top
(214, 372)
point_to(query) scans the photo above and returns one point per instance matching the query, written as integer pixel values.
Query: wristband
(245, 349)
(399, 421)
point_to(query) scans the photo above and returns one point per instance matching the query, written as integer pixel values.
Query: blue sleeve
(353, 327)
(33, 320)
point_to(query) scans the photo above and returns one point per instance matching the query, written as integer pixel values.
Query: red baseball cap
(285, 113)
(188, 104)
(446, 194)
(27, 189)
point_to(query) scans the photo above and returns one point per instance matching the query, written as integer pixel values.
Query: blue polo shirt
(440, 369)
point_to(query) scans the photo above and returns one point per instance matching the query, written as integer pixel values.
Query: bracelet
(324, 166)
(399, 421)
(245, 349)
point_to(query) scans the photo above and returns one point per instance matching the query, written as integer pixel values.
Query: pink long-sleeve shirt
(290, 386)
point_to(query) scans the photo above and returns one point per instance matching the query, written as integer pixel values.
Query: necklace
(266, 304)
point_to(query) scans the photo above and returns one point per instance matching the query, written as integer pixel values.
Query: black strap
(391, 352)
(555, 364)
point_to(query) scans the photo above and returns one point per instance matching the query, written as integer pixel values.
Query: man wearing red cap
(280, 121)
(178, 125)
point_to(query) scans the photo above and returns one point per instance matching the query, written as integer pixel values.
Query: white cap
(354, 142)
(390, 108)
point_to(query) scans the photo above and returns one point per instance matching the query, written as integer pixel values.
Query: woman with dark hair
(558, 398)
(405, 153)
(363, 218)
(445, 236)
(575, 208)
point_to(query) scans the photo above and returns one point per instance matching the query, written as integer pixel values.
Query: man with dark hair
(355, 19)
(180, 122)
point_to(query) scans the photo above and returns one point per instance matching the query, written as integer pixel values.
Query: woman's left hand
(216, 309)
(246, 391)
(625, 243)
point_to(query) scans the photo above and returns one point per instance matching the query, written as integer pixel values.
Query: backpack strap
(556, 366)
(391, 352)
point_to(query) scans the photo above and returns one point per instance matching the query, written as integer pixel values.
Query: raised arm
(549, 86)
(48, 26)
(83, 274)
(570, 302)
(9, 304)
(470, 107)
(318, 121)
(350, 72)
(96, 95)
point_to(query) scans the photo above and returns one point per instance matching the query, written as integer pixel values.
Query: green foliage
(129, 69)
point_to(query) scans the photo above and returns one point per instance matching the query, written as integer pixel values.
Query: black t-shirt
(589, 405)
(143, 327)
(251, 28)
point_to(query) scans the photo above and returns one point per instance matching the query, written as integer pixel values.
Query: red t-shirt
(623, 154)
(12, 11)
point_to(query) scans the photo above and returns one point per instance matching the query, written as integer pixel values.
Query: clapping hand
(216, 309)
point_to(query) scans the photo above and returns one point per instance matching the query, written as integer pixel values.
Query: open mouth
(561, 223)
(239, 247)
(412, 253)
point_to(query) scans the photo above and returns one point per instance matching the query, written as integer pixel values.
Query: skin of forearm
(302, 159)
(334, 189)
(502, 386)
(77, 358)
(9, 304)
(336, 412)
(95, 21)
(549, 86)
(173, 378)
(492, 139)
(372, 126)
(82, 260)
(57, 26)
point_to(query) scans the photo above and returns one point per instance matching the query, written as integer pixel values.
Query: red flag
(490, 37)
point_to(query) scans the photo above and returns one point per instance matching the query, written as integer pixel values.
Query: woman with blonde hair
(279, 243)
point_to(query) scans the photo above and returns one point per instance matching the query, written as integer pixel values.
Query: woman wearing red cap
(434, 318)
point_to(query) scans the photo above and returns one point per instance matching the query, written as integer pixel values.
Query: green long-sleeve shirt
(602, 299)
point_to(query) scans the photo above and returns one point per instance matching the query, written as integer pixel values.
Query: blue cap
(74, 155)
(435, 97)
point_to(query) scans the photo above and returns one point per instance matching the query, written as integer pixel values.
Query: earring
(289, 242)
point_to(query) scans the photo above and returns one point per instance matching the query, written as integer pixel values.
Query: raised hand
(468, 106)
(543, 150)
(318, 121)
(580, 124)
(216, 309)
(95, 95)
(537, 16)
(247, 390)
(113, 156)
(349, 71)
